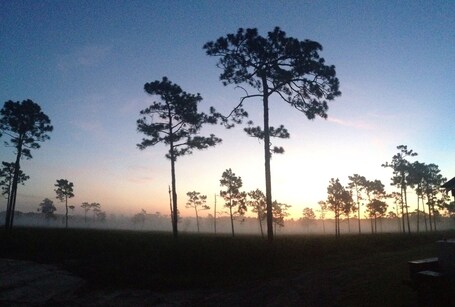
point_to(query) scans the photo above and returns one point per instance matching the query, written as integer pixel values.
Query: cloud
(86, 56)
(351, 123)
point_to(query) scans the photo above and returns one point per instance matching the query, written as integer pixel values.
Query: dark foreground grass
(366, 266)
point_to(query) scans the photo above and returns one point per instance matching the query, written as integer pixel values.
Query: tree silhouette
(26, 126)
(348, 208)
(308, 217)
(275, 64)
(7, 176)
(86, 206)
(432, 181)
(233, 197)
(64, 190)
(47, 208)
(337, 197)
(401, 169)
(139, 218)
(256, 200)
(416, 180)
(357, 185)
(323, 207)
(280, 211)
(376, 207)
(96, 208)
(175, 122)
(198, 203)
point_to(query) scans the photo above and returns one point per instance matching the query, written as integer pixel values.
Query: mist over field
(245, 225)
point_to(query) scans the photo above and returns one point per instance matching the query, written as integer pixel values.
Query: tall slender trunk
(174, 192)
(232, 218)
(214, 216)
(170, 205)
(430, 214)
(434, 217)
(174, 198)
(358, 214)
(66, 212)
(268, 177)
(418, 215)
(424, 214)
(260, 224)
(402, 210)
(197, 219)
(407, 211)
(9, 218)
(323, 226)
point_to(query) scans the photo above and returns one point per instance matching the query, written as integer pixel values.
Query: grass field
(355, 270)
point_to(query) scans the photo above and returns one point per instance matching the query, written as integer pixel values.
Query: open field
(320, 270)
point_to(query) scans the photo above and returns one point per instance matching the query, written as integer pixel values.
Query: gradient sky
(85, 63)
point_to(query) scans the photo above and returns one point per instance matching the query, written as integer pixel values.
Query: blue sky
(86, 62)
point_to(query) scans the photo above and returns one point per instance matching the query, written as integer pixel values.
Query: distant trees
(176, 122)
(256, 200)
(308, 217)
(64, 190)
(98, 214)
(26, 126)
(47, 208)
(401, 169)
(139, 218)
(86, 206)
(337, 198)
(323, 208)
(376, 207)
(280, 212)
(275, 64)
(432, 181)
(234, 199)
(197, 202)
(357, 184)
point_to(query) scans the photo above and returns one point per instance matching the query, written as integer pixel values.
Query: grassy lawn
(356, 270)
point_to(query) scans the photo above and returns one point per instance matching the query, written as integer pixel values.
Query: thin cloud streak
(353, 124)
(86, 56)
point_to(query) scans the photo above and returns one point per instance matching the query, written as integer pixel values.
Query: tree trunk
(9, 218)
(66, 212)
(260, 225)
(407, 211)
(174, 198)
(434, 218)
(197, 219)
(402, 210)
(358, 208)
(174, 192)
(418, 215)
(268, 177)
(232, 218)
(424, 214)
(214, 216)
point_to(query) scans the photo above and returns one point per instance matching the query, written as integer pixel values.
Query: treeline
(366, 198)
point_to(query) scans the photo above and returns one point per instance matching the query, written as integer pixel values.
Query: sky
(86, 62)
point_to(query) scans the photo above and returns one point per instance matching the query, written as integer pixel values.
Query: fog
(247, 225)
